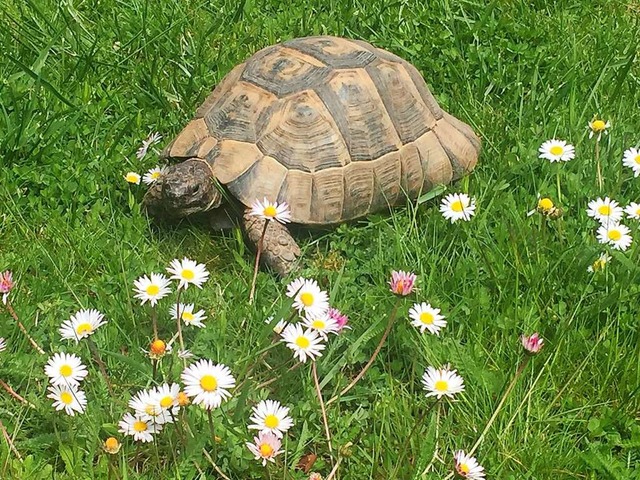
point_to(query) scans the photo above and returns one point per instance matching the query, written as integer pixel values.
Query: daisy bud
(183, 399)
(341, 319)
(532, 344)
(111, 445)
(402, 283)
(6, 284)
(157, 349)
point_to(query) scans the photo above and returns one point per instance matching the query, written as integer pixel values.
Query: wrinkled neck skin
(185, 189)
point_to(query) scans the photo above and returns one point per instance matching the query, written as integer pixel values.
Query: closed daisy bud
(599, 264)
(158, 349)
(6, 284)
(402, 283)
(3, 345)
(183, 399)
(341, 319)
(111, 445)
(532, 344)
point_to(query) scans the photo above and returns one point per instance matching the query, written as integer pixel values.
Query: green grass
(73, 110)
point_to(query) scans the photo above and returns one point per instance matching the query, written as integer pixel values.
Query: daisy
(340, 318)
(153, 175)
(81, 325)
(141, 430)
(616, 235)
(311, 299)
(425, 317)
(265, 447)
(152, 289)
(65, 369)
(132, 177)
(557, 151)
(305, 344)
(606, 211)
(323, 324)
(271, 211)
(6, 284)
(598, 127)
(167, 397)
(599, 264)
(187, 315)
(111, 445)
(294, 286)
(631, 159)
(3, 344)
(533, 343)
(208, 383)
(271, 417)
(402, 283)
(68, 398)
(158, 349)
(151, 140)
(458, 206)
(188, 272)
(146, 405)
(633, 210)
(440, 382)
(468, 467)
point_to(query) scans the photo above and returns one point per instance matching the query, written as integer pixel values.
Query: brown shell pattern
(336, 128)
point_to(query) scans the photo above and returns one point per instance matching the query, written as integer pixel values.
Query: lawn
(84, 83)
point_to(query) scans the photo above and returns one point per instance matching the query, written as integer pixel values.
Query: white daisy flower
(153, 175)
(132, 177)
(3, 344)
(631, 159)
(167, 397)
(68, 398)
(616, 235)
(599, 264)
(557, 151)
(208, 383)
(187, 315)
(633, 210)
(294, 286)
(269, 416)
(425, 317)
(468, 467)
(458, 206)
(188, 272)
(141, 430)
(146, 405)
(265, 447)
(442, 381)
(304, 343)
(151, 140)
(65, 369)
(271, 211)
(598, 127)
(606, 211)
(323, 324)
(310, 298)
(81, 325)
(152, 289)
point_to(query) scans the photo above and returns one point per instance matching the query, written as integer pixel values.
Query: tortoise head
(184, 189)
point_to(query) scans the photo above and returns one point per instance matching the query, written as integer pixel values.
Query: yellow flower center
(556, 150)
(140, 426)
(158, 347)
(545, 204)
(166, 401)
(84, 328)
(156, 175)
(208, 383)
(637, 159)
(270, 211)
(271, 421)
(307, 299)
(303, 342)
(319, 324)
(457, 206)
(188, 316)
(598, 125)
(66, 398)
(111, 444)
(183, 399)
(614, 235)
(441, 385)
(464, 468)
(188, 274)
(132, 178)
(426, 318)
(150, 410)
(604, 210)
(599, 265)
(638, 211)
(66, 370)
(266, 450)
(153, 290)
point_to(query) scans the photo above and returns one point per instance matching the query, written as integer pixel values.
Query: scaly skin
(279, 250)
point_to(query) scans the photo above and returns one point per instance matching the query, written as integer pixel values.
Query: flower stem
(255, 268)
(598, 167)
(154, 321)
(13, 314)
(558, 186)
(392, 318)
(213, 432)
(9, 441)
(314, 371)
(179, 324)
(96, 357)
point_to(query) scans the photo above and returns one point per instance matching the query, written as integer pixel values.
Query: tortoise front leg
(279, 249)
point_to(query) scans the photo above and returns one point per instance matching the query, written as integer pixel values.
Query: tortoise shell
(336, 128)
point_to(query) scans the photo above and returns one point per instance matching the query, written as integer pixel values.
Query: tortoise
(334, 127)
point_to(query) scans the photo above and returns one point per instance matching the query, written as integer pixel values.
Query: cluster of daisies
(153, 174)
(609, 214)
(66, 370)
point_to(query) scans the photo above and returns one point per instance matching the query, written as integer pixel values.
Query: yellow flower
(111, 445)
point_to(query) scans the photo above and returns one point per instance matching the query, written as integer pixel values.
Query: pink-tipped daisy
(533, 343)
(265, 447)
(402, 283)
